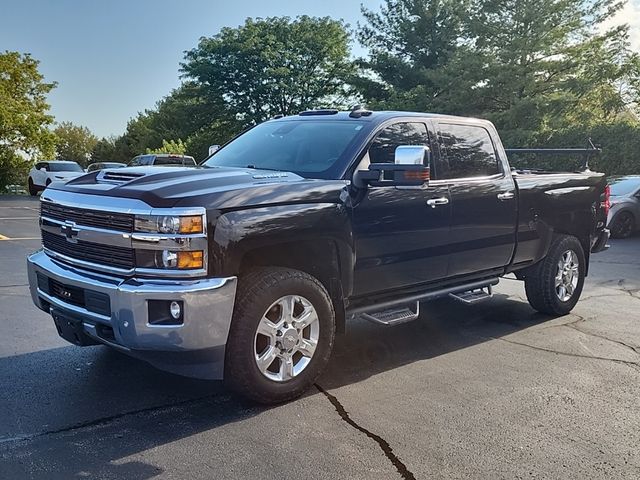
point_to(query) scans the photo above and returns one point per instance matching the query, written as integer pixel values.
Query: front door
(400, 239)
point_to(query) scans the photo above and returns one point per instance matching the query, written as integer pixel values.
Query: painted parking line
(19, 218)
(3, 238)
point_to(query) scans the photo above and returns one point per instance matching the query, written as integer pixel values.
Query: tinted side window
(383, 148)
(466, 151)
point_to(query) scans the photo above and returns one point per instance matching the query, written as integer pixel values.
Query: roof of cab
(374, 117)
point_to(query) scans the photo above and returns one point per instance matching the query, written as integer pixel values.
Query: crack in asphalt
(102, 421)
(592, 334)
(384, 445)
(569, 354)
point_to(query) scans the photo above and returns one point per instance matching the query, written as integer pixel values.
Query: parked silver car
(624, 215)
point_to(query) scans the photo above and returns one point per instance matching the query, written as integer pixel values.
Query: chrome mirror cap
(411, 155)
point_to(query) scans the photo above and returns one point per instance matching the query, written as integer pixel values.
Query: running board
(393, 316)
(398, 310)
(473, 296)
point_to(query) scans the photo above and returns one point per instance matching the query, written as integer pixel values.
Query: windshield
(624, 186)
(306, 147)
(65, 167)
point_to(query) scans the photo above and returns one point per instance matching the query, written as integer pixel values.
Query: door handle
(434, 202)
(506, 196)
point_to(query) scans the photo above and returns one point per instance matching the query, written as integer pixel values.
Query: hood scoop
(116, 177)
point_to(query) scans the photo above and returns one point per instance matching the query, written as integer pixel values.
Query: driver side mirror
(43, 169)
(409, 169)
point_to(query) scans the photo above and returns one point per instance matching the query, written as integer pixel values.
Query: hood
(219, 187)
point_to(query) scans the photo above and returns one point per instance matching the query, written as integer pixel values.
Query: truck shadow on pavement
(115, 406)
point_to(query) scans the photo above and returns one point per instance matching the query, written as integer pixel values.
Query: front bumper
(600, 243)
(194, 348)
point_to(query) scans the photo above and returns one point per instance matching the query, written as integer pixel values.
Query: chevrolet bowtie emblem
(69, 231)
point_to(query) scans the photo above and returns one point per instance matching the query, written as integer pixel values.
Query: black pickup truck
(246, 267)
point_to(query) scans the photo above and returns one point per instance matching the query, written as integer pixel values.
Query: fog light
(175, 310)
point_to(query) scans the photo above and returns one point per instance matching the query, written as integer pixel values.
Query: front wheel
(33, 191)
(555, 284)
(281, 335)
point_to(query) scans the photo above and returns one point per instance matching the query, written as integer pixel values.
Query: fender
(319, 234)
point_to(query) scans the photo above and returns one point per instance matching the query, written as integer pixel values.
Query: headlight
(171, 224)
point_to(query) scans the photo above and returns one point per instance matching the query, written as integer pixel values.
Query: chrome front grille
(97, 232)
(96, 253)
(122, 222)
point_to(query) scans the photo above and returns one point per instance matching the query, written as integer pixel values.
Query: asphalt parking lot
(487, 391)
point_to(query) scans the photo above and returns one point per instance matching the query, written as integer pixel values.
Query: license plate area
(71, 329)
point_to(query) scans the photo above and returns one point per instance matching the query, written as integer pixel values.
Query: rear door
(483, 197)
(400, 239)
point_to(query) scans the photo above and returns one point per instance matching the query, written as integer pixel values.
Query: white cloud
(629, 14)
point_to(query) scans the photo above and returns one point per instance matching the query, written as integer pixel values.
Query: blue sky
(114, 58)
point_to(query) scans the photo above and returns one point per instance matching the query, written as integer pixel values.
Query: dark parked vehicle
(102, 165)
(163, 160)
(246, 267)
(624, 216)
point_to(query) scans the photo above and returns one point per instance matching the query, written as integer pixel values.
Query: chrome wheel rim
(286, 338)
(567, 275)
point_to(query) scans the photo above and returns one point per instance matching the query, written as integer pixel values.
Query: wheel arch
(313, 238)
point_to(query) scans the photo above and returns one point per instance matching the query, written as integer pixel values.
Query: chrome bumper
(194, 348)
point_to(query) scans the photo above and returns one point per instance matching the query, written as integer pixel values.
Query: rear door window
(466, 151)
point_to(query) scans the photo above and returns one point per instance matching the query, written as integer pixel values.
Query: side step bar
(473, 296)
(405, 309)
(393, 316)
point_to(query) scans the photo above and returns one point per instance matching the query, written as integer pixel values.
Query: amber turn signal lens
(187, 260)
(191, 224)
(417, 175)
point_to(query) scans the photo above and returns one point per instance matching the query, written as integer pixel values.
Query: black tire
(623, 225)
(47, 183)
(540, 283)
(258, 290)
(33, 191)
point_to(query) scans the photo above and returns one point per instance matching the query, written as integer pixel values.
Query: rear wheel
(33, 191)
(555, 284)
(281, 335)
(623, 225)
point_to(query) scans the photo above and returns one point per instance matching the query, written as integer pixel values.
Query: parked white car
(43, 173)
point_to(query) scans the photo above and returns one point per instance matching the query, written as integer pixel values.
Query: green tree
(74, 142)
(534, 67)
(545, 66)
(411, 43)
(271, 66)
(24, 117)
(176, 147)
(181, 114)
(105, 150)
